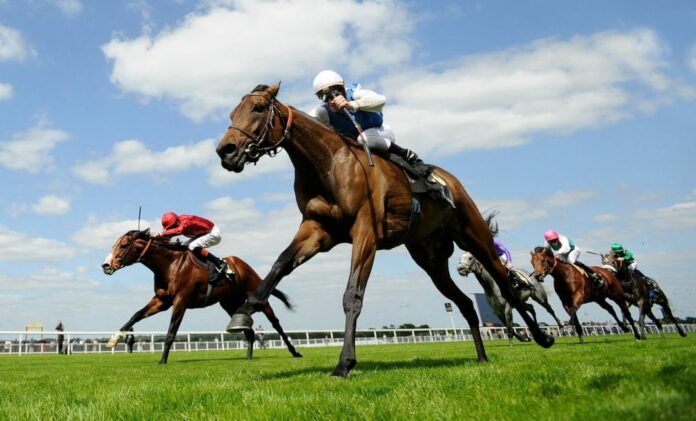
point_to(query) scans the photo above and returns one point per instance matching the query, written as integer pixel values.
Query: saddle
(523, 277)
(581, 270)
(214, 278)
(422, 179)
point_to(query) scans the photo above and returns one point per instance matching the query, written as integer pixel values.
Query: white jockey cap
(326, 78)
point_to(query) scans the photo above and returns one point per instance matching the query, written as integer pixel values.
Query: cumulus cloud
(16, 246)
(69, 7)
(31, 150)
(13, 46)
(133, 157)
(565, 198)
(227, 54)
(51, 205)
(549, 86)
(46, 279)
(101, 235)
(512, 213)
(605, 217)
(691, 58)
(6, 91)
(678, 216)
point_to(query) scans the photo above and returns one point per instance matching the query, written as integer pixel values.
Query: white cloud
(13, 46)
(691, 58)
(31, 150)
(6, 91)
(565, 198)
(548, 86)
(512, 213)
(51, 205)
(16, 246)
(228, 53)
(101, 235)
(218, 176)
(69, 7)
(45, 280)
(605, 217)
(678, 216)
(133, 157)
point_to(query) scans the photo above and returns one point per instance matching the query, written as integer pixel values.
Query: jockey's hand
(155, 234)
(338, 103)
(508, 265)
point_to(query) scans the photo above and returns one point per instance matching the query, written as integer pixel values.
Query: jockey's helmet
(617, 248)
(169, 219)
(326, 79)
(551, 235)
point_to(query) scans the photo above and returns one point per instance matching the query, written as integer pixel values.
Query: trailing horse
(575, 289)
(344, 200)
(637, 287)
(182, 283)
(501, 307)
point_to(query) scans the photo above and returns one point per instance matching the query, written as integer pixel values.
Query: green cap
(616, 247)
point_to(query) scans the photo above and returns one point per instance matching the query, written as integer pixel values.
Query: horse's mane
(160, 241)
(542, 249)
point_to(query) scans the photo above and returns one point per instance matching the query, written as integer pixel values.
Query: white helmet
(326, 78)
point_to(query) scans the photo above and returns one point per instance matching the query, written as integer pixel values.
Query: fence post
(188, 341)
(152, 342)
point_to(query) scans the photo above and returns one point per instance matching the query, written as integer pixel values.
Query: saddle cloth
(522, 277)
(422, 179)
(581, 270)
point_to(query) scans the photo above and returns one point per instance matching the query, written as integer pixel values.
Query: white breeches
(205, 241)
(379, 138)
(503, 259)
(633, 266)
(569, 257)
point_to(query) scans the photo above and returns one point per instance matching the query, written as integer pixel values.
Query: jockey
(202, 234)
(503, 253)
(621, 254)
(365, 105)
(565, 250)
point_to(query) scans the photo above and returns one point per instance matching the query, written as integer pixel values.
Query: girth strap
(413, 220)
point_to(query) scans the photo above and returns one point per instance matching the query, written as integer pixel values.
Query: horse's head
(128, 249)
(256, 129)
(467, 264)
(543, 262)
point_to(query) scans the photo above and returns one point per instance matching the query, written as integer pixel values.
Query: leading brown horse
(181, 283)
(344, 200)
(575, 289)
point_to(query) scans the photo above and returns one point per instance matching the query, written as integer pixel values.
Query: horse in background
(182, 283)
(344, 200)
(637, 287)
(574, 288)
(468, 264)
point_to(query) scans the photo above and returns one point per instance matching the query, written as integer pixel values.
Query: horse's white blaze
(107, 260)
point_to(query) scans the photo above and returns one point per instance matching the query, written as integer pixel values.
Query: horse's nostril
(227, 150)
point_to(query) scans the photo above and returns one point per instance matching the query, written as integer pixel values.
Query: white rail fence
(74, 342)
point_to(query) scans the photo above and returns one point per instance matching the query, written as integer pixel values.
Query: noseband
(254, 150)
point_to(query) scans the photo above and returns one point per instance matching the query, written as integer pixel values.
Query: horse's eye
(258, 108)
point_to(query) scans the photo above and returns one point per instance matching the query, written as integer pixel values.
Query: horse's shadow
(380, 366)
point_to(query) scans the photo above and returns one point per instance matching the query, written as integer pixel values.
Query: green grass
(607, 378)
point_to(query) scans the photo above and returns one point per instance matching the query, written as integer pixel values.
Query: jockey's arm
(367, 100)
(565, 246)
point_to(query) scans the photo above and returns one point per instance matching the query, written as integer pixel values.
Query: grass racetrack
(607, 378)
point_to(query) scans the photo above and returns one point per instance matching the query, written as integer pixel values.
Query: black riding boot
(223, 271)
(407, 154)
(596, 278)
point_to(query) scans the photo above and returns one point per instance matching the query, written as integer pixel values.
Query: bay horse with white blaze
(181, 283)
(344, 200)
(575, 288)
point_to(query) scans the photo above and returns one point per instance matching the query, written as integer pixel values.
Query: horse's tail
(284, 298)
(492, 225)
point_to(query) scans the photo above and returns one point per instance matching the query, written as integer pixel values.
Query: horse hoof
(239, 322)
(297, 355)
(544, 340)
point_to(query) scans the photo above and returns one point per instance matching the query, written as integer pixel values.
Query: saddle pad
(522, 276)
(579, 269)
(610, 268)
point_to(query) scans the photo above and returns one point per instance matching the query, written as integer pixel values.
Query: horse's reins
(147, 247)
(254, 150)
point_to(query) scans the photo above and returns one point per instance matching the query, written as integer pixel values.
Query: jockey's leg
(382, 139)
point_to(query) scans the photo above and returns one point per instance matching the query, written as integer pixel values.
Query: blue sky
(576, 117)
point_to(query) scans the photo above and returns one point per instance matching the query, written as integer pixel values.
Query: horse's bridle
(543, 274)
(254, 150)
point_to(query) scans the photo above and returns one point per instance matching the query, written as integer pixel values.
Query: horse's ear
(531, 253)
(273, 90)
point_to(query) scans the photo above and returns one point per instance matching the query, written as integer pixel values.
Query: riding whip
(334, 94)
(140, 208)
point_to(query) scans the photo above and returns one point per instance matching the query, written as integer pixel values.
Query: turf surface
(607, 378)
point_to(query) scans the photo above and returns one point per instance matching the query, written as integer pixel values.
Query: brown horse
(637, 287)
(344, 200)
(575, 289)
(182, 283)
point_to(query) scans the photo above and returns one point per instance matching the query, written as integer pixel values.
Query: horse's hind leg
(433, 260)
(656, 321)
(644, 308)
(270, 315)
(668, 313)
(230, 306)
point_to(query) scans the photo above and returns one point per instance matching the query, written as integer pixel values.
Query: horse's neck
(485, 279)
(159, 260)
(312, 147)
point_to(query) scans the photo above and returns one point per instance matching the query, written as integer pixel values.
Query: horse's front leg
(178, 310)
(363, 257)
(310, 239)
(155, 306)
